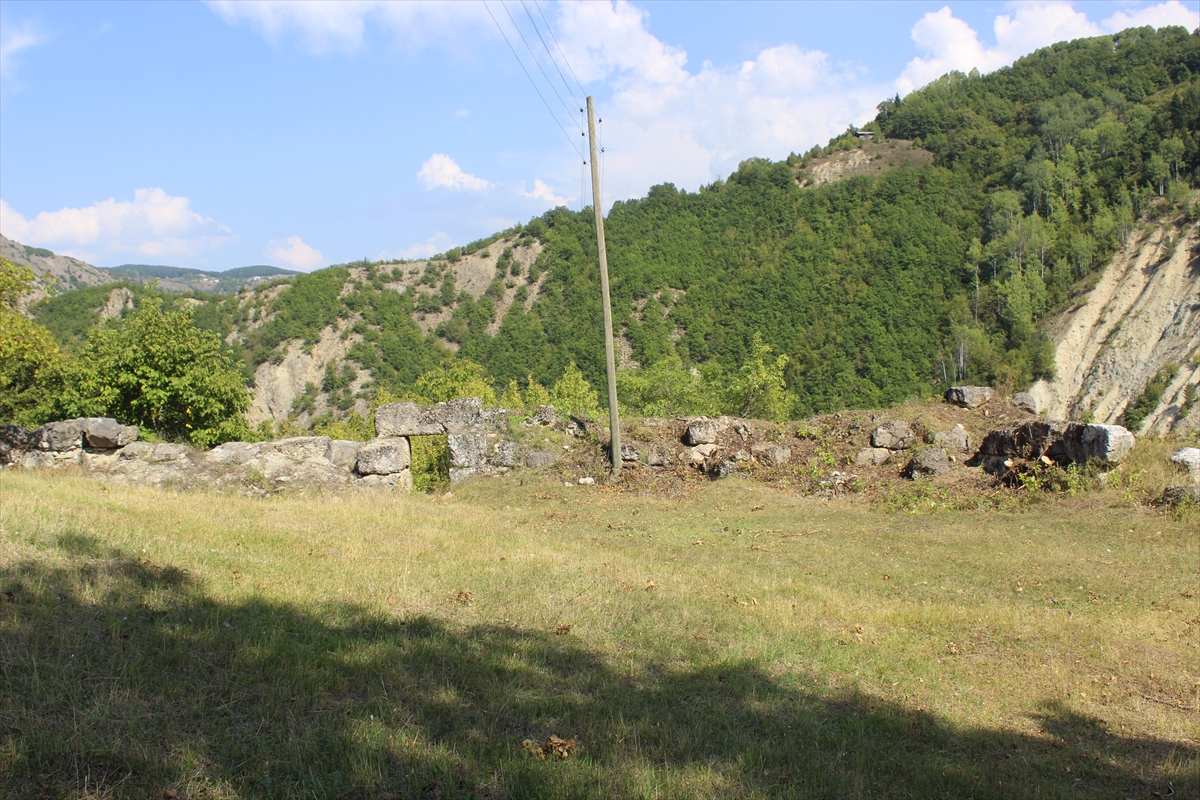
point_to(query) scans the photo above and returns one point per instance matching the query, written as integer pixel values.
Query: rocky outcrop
(279, 383)
(1053, 441)
(409, 419)
(1026, 402)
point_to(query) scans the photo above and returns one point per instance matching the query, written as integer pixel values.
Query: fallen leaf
(562, 630)
(448, 495)
(651, 585)
(533, 748)
(757, 508)
(170, 794)
(465, 598)
(391, 600)
(560, 747)
(9, 596)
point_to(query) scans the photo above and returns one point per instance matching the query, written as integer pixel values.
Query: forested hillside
(930, 258)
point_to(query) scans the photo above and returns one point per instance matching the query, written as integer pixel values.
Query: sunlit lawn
(730, 641)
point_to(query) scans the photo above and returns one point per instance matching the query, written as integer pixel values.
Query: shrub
(30, 362)
(157, 370)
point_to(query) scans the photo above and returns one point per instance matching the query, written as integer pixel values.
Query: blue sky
(221, 134)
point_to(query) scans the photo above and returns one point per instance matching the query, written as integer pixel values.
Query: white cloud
(542, 191)
(667, 123)
(14, 39)
(441, 172)
(462, 112)
(434, 244)
(1162, 15)
(155, 225)
(338, 25)
(949, 43)
(294, 253)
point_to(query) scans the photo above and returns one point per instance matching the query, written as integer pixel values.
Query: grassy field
(723, 640)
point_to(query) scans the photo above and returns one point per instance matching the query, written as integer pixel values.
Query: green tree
(572, 394)
(159, 371)
(758, 389)
(459, 378)
(30, 361)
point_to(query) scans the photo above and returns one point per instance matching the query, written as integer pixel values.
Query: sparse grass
(718, 640)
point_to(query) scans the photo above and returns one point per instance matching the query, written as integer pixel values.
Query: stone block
(629, 453)
(299, 448)
(504, 454)
(344, 452)
(545, 416)
(409, 419)
(384, 455)
(467, 449)
(1188, 458)
(232, 453)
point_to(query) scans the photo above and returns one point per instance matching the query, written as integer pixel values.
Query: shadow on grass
(124, 679)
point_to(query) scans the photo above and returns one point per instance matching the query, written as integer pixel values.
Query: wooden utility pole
(610, 362)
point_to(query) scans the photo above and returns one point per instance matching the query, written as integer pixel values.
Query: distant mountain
(183, 279)
(54, 272)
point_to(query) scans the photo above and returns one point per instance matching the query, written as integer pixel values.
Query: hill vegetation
(815, 283)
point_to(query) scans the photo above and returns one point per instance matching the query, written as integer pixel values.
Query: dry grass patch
(718, 640)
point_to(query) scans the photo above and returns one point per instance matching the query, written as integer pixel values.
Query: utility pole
(614, 421)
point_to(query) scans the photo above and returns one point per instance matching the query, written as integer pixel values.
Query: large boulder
(545, 416)
(895, 434)
(60, 437)
(702, 431)
(409, 419)
(15, 440)
(384, 455)
(955, 440)
(872, 456)
(1060, 442)
(1025, 401)
(155, 453)
(105, 433)
(1188, 458)
(928, 463)
(770, 454)
(969, 396)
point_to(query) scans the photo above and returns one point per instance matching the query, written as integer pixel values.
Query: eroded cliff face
(277, 385)
(1143, 314)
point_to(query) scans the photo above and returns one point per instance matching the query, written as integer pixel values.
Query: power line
(553, 60)
(531, 81)
(539, 63)
(560, 50)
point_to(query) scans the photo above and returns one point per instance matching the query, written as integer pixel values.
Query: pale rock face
(659, 455)
(276, 386)
(1143, 313)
